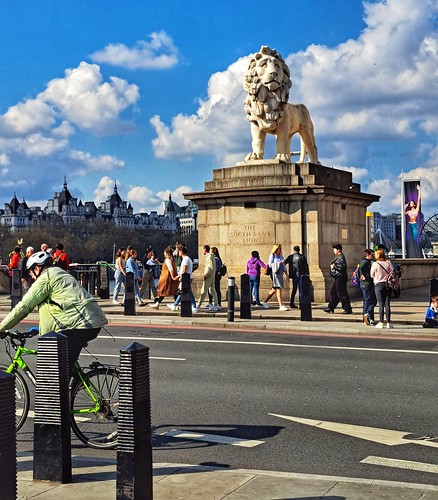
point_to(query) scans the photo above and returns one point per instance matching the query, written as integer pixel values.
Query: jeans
(384, 300)
(369, 299)
(119, 279)
(254, 283)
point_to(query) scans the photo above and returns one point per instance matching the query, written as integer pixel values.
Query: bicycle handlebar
(19, 335)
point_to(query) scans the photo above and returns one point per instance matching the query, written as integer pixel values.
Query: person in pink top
(253, 267)
(380, 270)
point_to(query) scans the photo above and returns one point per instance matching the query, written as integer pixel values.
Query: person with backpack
(381, 270)
(60, 257)
(366, 285)
(298, 266)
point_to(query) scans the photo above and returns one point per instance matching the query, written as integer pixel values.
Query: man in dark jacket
(367, 287)
(338, 273)
(298, 266)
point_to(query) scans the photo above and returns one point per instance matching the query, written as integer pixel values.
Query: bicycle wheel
(95, 407)
(22, 399)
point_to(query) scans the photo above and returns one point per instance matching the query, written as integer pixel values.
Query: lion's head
(267, 82)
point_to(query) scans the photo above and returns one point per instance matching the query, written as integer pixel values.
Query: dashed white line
(212, 438)
(401, 464)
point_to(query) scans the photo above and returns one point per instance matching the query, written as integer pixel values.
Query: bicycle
(94, 394)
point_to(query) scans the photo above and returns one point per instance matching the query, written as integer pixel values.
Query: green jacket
(63, 304)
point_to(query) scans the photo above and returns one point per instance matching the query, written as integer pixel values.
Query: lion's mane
(264, 106)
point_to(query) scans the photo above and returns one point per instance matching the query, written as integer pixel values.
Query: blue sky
(150, 94)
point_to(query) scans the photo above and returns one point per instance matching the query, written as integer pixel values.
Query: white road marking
(383, 436)
(118, 355)
(269, 344)
(401, 464)
(212, 438)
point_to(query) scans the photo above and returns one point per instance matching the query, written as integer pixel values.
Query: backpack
(355, 278)
(393, 280)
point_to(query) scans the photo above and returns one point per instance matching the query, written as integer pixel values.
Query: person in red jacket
(60, 258)
(14, 260)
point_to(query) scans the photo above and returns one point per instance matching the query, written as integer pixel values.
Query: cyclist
(63, 305)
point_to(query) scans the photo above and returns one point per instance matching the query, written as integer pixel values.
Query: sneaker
(389, 326)
(195, 310)
(207, 306)
(141, 304)
(293, 306)
(155, 305)
(372, 322)
(171, 307)
(213, 308)
(116, 302)
(379, 325)
(284, 308)
(265, 305)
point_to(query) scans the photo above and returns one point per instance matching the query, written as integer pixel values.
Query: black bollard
(134, 448)
(186, 303)
(52, 435)
(129, 295)
(103, 290)
(245, 297)
(433, 287)
(16, 288)
(305, 298)
(8, 447)
(231, 298)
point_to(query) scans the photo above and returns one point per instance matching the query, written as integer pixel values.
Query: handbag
(223, 270)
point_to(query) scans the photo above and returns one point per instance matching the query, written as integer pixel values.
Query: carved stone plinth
(258, 203)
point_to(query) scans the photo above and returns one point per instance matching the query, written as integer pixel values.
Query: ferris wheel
(429, 231)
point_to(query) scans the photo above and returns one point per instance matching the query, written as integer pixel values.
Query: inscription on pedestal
(253, 233)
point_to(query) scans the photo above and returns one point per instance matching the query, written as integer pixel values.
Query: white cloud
(27, 117)
(217, 127)
(89, 102)
(89, 163)
(35, 145)
(104, 188)
(4, 160)
(157, 53)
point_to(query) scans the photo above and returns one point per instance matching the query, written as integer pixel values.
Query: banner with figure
(413, 218)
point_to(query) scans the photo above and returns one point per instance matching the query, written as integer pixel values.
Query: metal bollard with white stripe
(134, 448)
(8, 448)
(52, 438)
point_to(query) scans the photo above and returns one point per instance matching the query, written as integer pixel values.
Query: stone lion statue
(267, 82)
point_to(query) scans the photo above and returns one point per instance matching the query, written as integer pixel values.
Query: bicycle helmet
(39, 259)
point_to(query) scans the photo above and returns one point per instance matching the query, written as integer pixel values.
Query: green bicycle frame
(18, 362)
(81, 375)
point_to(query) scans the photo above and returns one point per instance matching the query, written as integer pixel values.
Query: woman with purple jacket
(253, 267)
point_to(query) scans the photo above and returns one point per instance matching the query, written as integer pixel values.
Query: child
(431, 320)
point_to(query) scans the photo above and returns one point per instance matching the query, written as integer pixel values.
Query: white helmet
(39, 259)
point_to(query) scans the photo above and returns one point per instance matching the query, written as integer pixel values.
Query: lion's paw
(253, 156)
(282, 157)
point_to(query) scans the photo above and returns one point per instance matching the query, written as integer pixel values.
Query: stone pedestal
(258, 203)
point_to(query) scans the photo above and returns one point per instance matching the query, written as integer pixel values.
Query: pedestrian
(431, 320)
(63, 306)
(277, 267)
(338, 274)
(380, 270)
(26, 278)
(44, 247)
(60, 257)
(132, 267)
(149, 262)
(367, 287)
(14, 259)
(253, 270)
(217, 279)
(186, 268)
(208, 283)
(169, 281)
(119, 273)
(298, 267)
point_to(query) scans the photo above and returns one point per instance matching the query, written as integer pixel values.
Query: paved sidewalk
(95, 478)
